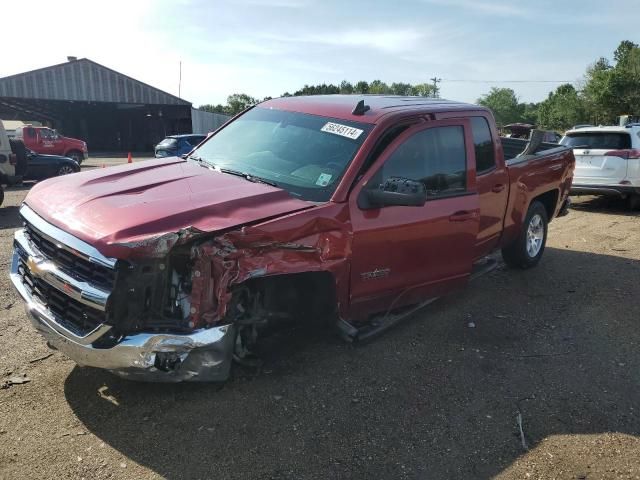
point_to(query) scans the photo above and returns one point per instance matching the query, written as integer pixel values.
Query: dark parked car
(42, 166)
(176, 145)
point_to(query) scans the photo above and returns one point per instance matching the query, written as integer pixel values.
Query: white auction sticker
(342, 130)
(323, 179)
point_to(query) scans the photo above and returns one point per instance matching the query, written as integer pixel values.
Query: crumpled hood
(123, 210)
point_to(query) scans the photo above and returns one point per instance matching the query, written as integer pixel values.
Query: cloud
(385, 40)
(486, 7)
(277, 3)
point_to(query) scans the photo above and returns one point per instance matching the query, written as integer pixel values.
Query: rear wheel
(65, 170)
(527, 249)
(77, 156)
(634, 201)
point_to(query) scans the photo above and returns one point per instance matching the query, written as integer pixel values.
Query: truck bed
(512, 147)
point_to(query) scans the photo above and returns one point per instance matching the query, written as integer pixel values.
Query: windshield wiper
(247, 176)
(237, 173)
(201, 161)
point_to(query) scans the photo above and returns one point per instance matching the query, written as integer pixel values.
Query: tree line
(610, 87)
(239, 101)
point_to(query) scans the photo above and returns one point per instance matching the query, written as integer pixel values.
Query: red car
(47, 141)
(302, 209)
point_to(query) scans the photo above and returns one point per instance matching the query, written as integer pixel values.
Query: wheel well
(308, 296)
(549, 200)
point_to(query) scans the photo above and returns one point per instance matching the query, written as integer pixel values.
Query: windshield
(301, 153)
(597, 140)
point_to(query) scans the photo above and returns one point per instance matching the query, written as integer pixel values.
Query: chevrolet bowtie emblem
(34, 266)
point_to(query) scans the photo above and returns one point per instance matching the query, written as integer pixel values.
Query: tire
(76, 155)
(65, 170)
(526, 251)
(1, 195)
(634, 201)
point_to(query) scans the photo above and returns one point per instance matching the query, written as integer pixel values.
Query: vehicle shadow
(23, 187)
(605, 205)
(436, 397)
(10, 217)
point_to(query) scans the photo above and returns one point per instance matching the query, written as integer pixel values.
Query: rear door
(493, 187)
(402, 254)
(599, 160)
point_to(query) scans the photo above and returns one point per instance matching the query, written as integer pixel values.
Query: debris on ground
(15, 380)
(44, 357)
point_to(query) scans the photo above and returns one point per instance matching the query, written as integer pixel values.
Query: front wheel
(77, 156)
(527, 249)
(65, 170)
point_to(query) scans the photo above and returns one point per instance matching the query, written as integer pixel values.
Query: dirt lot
(437, 397)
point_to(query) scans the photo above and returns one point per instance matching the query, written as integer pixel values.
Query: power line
(507, 81)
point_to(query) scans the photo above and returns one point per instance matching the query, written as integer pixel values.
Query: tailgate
(594, 167)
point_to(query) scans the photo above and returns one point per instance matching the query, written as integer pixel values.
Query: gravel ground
(437, 397)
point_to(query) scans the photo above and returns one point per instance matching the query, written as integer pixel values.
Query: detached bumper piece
(564, 210)
(70, 308)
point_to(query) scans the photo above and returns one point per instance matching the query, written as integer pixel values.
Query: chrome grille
(68, 262)
(70, 313)
(69, 278)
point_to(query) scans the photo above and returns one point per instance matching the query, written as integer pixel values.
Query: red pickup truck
(302, 209)
(44, 140)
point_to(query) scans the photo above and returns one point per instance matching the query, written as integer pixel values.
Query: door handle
(497, 188)
(463, 216)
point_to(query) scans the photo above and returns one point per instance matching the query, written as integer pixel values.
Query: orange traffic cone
(129, 159)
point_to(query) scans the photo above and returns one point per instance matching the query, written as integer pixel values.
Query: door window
(483, 143)
(46, 134)
(436, 157)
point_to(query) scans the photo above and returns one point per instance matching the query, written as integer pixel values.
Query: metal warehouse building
(109, 110)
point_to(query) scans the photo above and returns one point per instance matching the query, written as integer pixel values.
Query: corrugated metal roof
(83, 80)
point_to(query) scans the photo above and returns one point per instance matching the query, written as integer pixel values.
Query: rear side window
(598, 140)
(30, 132)
(483, 143)
(194, 141)
(168, 143)
(436, 157)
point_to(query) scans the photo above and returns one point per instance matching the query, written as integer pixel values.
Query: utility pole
(436, 90)
(180, 81)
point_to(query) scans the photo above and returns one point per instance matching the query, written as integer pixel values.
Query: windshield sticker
(342, 130)
(323, 179)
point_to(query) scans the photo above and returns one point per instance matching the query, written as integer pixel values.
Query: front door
(47, 142)
(403, 254)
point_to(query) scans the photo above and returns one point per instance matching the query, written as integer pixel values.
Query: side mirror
(396, 191)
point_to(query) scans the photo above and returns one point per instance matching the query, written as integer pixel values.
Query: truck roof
(341, 106)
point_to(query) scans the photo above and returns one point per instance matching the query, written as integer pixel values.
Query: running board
(483, 267)
(382, 322)
(378, 323)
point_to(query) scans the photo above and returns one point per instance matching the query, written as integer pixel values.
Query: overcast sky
(267, 47)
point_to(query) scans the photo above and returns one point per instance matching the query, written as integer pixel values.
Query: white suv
(8, 160)
(607, 161)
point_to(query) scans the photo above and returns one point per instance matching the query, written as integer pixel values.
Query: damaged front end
(184, 304)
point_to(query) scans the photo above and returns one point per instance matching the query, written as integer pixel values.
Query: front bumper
(203, 355)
